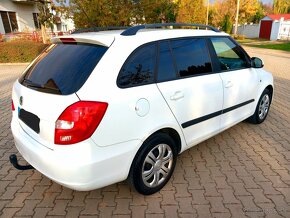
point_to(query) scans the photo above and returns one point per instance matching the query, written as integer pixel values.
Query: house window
(36, 20)
(9, 21)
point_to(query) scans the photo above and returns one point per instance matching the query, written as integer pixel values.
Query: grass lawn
(277, 46)
(20, 51)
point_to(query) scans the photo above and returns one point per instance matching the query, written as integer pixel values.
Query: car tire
(153, 164)
(262, 108)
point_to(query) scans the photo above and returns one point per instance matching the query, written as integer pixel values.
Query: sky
(267, 1)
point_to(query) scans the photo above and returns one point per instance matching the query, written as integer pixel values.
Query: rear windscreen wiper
(29, 83)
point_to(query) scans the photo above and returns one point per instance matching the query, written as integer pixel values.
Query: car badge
(21, 100)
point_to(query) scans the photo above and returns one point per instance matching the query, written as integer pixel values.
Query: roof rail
(98, 29)
(133, 30)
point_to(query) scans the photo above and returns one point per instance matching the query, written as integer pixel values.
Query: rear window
(63, 68)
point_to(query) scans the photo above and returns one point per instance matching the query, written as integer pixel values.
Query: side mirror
(256, 62)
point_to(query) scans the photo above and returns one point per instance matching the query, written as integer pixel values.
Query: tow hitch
(14, 162)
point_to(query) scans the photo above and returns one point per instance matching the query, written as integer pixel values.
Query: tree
(248, 9)
(101, 13)
(191, 11)
(227, 24)
(220, 9)
(260, 13)
(223, 11)
(45, 17)
(154, 11)
(281, 6)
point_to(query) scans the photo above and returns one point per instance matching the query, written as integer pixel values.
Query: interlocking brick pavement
(242, 172)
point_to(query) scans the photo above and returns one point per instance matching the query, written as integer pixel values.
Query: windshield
(63, 68)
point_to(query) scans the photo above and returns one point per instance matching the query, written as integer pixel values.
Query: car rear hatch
(49, 85)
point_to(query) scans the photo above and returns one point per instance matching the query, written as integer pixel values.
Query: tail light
(78, 122)
(12, 105)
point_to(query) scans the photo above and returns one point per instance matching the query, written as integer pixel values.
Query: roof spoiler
(98, 29)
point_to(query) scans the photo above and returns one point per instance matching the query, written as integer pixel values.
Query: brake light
(12, 105)
(78, 122)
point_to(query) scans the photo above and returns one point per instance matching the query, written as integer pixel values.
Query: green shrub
(20, 51)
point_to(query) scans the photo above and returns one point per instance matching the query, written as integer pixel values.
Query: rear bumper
(83, 166)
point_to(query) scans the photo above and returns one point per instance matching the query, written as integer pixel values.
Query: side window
(230, 56)
(166, 69)
(191, 56)
(139, 67)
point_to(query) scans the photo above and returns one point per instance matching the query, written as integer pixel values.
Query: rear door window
(191, 57)
(166, 67)
(63, 68)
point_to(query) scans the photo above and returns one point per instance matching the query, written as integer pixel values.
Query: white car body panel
(189, 101)
(40, 103)
(83, 166)
(239, 86)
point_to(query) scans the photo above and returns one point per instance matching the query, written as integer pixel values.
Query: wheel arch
(271, 89)
(173, 134)
(170, 132)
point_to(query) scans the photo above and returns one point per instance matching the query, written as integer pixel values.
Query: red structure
(267, 22)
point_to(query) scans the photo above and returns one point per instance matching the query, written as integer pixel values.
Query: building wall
(249, 30)
(284, 32)
(23, 14)
(275, 30)
(1, 26)
(65, 25)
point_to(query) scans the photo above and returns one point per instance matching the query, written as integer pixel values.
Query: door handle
(176, 96)
(229, 84)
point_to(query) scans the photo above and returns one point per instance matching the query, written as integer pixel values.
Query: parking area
(242, 172)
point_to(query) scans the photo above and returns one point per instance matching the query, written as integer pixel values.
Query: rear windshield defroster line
(63, 68)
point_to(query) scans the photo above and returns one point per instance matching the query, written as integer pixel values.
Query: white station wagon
(96, 108)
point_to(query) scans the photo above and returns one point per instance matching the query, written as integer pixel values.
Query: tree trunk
(44, 35)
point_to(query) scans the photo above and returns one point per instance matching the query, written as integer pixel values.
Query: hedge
(20, 51)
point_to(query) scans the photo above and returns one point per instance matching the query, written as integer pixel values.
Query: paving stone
(185, 206)
(198, 197)
(28, 208)
(122, 206)
(236, 210)
(78, 199)
(259, 196)
(181, 190)
(239, 189)
(277, 182)
(154, 205)
(211, 190)
(48, 200)
(74, 211)
(221, 183)
(138, 200)
(217, 205)
(138, 211)
(41, 212)
(106, 211)
(9, 194)
(9, 212)
(19, 199)
(59, 208)
(248, 204)
(228, 196)
(202, 210)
